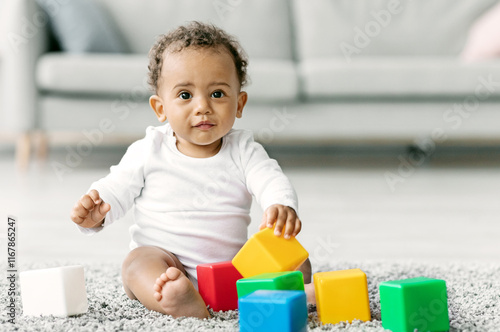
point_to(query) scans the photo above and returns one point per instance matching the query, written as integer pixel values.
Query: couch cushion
(93, 73)
(105, 74)
(83, 26)
(272, 81)
(262, 26)
(361, 28)
(393, 76)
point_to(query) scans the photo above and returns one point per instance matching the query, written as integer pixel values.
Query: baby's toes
(173, 273)
(161, 280)
(157, 296)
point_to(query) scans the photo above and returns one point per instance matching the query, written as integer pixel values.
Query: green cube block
(293, 280)
(417, 303)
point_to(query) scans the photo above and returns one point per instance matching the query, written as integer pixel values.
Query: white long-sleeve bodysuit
(196, 208)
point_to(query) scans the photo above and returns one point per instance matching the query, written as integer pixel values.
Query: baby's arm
(272, 189)
(113, 195)
(284, 217)
(90, 210)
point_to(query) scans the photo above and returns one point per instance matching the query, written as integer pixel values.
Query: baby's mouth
(204, 125)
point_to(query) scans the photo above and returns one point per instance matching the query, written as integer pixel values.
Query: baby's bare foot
(310, 293)
(177, 295)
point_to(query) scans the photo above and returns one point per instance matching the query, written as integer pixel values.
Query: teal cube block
(416, 303)
(291, 280)
(273, 310)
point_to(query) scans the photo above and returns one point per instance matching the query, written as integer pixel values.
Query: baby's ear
(242, 100)
(157, 105)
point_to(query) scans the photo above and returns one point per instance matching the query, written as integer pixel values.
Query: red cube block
(217, 285)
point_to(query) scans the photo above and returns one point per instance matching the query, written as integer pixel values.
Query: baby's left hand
(283, 216)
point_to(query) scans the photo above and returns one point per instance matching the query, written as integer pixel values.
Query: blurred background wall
(323, 73)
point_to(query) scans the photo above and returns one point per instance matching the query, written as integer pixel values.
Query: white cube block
(57, 291)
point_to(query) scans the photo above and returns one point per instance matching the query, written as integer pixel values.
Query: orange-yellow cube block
(265, 252)
(342, 296)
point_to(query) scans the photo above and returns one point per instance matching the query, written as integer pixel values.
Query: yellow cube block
(265, 252)
(342, 296)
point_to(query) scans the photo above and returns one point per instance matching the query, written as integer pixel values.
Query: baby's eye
(217, 94)
(185, 95)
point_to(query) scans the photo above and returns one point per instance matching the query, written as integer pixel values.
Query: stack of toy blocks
(268, 263)
(342, 296)
(416, 303)
(217, 285)
(271, 296)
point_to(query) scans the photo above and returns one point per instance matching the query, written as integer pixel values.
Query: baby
(190, 181)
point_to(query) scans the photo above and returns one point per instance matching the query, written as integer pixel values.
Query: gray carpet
(473, 291)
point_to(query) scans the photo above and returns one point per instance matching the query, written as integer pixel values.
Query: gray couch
(322, 71)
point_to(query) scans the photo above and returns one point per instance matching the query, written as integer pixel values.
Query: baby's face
(199, 94)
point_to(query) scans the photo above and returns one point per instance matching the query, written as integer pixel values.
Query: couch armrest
(24, 37)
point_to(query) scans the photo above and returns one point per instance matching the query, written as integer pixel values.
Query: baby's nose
(202, 106)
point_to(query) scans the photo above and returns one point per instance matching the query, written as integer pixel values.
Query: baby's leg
(305, 268)
(148, 271)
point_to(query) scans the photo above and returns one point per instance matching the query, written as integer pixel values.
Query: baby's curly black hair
(195, 34)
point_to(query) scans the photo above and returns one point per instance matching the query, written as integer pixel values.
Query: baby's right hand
(90, 210)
